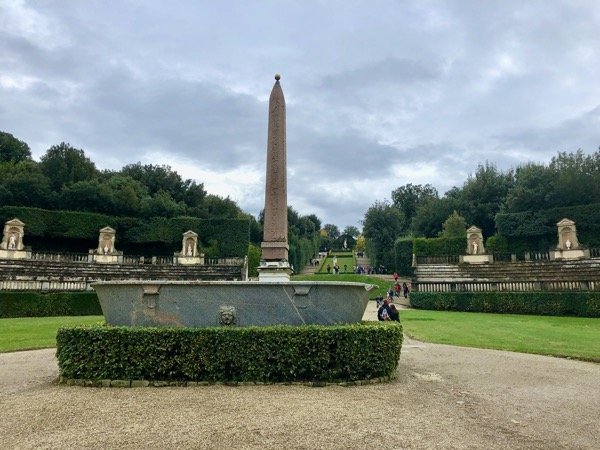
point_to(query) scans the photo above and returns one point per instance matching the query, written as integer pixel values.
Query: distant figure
(475, 248)
(405, 290)
(568, 244)
(395, 276)
(328, 268)
(383, 313)
(106, 249)
(394, 314)
(345, 267)
(397, 289)
(335, 260)
(12, 242)
(345, 244)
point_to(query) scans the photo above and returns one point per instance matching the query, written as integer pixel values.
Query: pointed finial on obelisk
(274, 260)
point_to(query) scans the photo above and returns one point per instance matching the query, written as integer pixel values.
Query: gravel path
(444, 397)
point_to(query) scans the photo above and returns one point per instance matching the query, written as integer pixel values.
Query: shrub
(571, 303)
(37, 304)
(264, 354)
(404, 252)
(441, 246)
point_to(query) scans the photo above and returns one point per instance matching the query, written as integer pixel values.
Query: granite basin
(231, 303)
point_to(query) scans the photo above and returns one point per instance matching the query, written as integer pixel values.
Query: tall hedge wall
(535, 226)
(403, 253)
(582, 304)
(440, 246)
(52, 230)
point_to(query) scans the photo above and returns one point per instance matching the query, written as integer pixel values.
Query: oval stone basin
(231, 303)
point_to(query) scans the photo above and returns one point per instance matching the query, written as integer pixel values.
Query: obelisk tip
(277, 77)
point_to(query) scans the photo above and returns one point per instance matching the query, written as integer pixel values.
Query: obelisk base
(274, 271)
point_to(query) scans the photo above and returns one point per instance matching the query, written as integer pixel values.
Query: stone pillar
(12, 246)
(274, 265)
(189, 250)
(106, 252)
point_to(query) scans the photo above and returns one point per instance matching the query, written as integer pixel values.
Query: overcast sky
(379, 94)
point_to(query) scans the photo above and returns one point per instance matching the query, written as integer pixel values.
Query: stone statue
(568, 244)
(12, 242)
(190, 251)
(475, 248)
(106, 249)
(345, 244)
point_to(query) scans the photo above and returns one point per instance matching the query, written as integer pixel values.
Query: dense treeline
(65, 179)
(534, 195)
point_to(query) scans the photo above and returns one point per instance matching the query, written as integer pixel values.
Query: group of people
(387, 310)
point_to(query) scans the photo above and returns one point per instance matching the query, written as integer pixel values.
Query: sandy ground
(443, 397)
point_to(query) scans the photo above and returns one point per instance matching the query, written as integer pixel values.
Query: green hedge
(263, 354)
(441, 246)
(51, 227)
(404, 252)
(36, 304)
(574, 303)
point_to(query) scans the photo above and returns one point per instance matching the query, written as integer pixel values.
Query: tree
(158, 178)
(533, 189)
(333, 232)
(162, 205)
(407, 199)
(454, 226)
(383, 223)
(27, 185)
(65, 165)
(431, 214)
(482, 194)
(12, 149)
(351, 230)
(89, 195)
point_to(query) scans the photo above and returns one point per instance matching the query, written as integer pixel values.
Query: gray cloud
(379, 95)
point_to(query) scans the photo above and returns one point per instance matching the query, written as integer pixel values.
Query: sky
(379, 94)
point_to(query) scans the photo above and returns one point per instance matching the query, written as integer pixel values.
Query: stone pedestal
(570, 254)
(476, 259)
(12, 246)
(274, 271)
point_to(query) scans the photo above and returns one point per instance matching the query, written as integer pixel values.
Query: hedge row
(543, 223)
(228, 237)
(440, 246)
(404, 252)
(264, 354)
(582, 304)
(37, 304)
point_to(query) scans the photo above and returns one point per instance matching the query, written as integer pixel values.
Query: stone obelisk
(274, 265)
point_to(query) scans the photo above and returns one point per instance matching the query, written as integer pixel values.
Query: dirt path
(444, 397)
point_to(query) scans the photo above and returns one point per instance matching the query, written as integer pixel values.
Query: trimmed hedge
(51, 227)
(441, 246)
(37, 304)
(571, 303)
(404, 252)
(221, 354)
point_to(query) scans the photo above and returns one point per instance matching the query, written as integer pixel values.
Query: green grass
(573, 337)
(342, 258)
(37, 332)
(382, 285)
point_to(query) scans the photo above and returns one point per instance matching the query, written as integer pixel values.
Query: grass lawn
(574, 337)
(37, 332)
(382, 285)
(342, 259)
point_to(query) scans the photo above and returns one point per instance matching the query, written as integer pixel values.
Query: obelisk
(274, 265)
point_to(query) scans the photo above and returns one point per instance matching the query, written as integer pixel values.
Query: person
(390, 294)
(405, 289)
(395, 276)
(394, 314)
(345, 267)
(328, 268)
(397, 289)
(383, 313)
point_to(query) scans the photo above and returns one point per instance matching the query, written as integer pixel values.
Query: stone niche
(12, 246)
(568, 246)
(475, 249)
(189, 250)
(106, 252)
